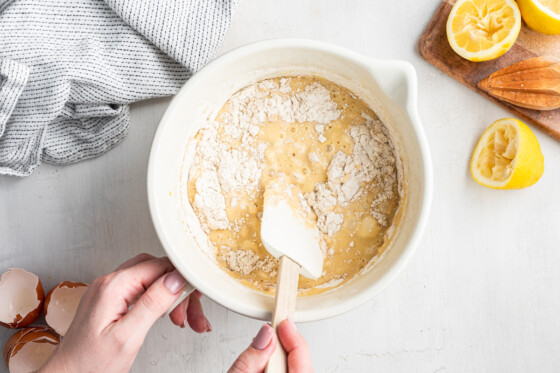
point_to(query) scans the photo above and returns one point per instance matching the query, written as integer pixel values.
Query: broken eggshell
(28, 349)
(22, 296)
(61, 304)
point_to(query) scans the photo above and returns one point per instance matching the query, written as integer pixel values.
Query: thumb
(155, 301)
(299, 358)
(255, 357)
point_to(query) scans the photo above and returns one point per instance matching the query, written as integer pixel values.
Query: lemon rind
(491, 53)
(546, 10)
(475, 173)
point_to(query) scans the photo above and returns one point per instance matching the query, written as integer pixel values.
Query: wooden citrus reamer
(532, 83)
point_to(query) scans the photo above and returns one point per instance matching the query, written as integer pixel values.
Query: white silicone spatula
(287, 237)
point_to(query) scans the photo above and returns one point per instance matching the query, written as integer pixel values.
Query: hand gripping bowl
(389, 84)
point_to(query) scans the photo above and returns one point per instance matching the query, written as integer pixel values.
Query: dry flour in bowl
(334, 152)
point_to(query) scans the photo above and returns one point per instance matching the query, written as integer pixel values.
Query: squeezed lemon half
(481, 30)
(507, 156)
(541, 15)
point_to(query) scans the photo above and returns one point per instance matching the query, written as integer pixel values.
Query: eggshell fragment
(28, 349)
(61, 304)
(22, 296)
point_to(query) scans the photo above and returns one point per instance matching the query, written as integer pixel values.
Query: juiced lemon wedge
(481, 30)
(541, 15)
(508, 156)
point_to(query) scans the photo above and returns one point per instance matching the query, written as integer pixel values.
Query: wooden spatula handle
(284, 307)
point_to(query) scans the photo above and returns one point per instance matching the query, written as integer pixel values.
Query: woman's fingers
(299, 358)
(137, 259)
(152, 305)
(191, 310)
(255, 357)
(133, 281)
(195, 315)
(179, 315)
(115, 292)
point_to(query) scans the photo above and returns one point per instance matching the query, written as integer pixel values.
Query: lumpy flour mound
(330, 147)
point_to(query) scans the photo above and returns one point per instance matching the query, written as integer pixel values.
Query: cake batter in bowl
(388, 87)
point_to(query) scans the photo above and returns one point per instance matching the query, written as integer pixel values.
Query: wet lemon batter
(300, 153)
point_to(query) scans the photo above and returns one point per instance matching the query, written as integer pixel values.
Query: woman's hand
(105, 335)
(255, 357)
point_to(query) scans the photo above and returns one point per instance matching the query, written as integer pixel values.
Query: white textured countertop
(482, 293)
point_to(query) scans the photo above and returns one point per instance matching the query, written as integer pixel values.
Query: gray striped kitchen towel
(70, 68)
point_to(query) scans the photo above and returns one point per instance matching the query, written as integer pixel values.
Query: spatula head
(284, 232)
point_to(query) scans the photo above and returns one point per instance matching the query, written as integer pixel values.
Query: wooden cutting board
(435, 49)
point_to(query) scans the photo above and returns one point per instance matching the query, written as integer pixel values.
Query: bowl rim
(400, 263)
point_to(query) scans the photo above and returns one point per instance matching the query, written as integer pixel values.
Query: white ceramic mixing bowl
(389, 86)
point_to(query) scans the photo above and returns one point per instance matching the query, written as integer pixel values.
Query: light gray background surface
(482, 293)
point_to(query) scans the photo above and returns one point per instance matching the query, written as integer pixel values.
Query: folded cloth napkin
(69, 69)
